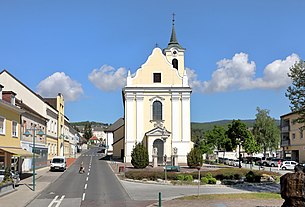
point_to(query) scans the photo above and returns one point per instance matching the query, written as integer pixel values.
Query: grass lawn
(234, 196)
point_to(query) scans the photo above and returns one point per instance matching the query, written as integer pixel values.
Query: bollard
(160, 200)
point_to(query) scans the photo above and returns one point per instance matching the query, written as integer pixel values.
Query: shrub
(180, 177)
(208, 175)
(139, 156)
(252, 177)
(188, 178)
(204, 180)
(194, 158)
(212, 180)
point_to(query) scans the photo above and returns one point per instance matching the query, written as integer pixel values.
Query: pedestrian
(279, 165)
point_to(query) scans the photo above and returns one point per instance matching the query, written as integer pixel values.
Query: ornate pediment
(158, 131)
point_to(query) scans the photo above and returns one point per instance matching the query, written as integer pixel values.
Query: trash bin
(121, 168)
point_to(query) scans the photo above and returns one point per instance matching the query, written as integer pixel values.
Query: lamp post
(165, 170)
(198, 168)
(40, 133)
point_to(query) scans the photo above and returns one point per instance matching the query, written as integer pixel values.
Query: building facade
(292, 138)
(157, 105)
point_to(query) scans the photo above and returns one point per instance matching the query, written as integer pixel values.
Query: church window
(157, 77)
(157, 110)
(175, 63)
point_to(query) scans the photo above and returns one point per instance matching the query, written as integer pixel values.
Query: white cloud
(59, 82)
(240, 74)
(107, 78)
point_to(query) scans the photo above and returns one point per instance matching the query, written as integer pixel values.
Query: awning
(18, 152)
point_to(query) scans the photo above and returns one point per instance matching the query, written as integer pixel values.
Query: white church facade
(157, 106)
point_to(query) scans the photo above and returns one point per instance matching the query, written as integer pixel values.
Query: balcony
(285, 129)
(285, 143)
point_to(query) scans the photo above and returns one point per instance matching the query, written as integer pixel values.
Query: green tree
(194, 158)
(266, 131)
(214, 139)
(250, 145)
(88, 131)
(237, 132)
(296, 91)
(139, 156)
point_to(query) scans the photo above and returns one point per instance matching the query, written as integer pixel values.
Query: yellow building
(10, 130)
(292, 138)
(59, 104)
(157, 106)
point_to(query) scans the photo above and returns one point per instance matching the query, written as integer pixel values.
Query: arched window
(157, 110)
(175, 63)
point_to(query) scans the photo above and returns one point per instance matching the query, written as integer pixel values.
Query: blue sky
(237, 52)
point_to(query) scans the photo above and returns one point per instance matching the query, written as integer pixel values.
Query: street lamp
(28, 133)
(63, 144)
(198, 168)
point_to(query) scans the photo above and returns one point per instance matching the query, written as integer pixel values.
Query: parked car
(230, 162)
(288, 165)
(264, 161)
(236, 163)
(273, 162)
(58, 163)
(14, 175)
(226, 161)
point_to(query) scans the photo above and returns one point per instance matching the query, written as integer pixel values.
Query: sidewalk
(24, 193)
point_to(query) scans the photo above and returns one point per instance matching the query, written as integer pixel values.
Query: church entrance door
(159, 144)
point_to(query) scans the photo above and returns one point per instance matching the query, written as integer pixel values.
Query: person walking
(279, 165)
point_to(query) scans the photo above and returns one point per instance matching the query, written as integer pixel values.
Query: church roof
(158, 131)
(173, 42)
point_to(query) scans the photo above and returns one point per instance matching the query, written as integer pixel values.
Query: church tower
(174, 52)
(157, 106)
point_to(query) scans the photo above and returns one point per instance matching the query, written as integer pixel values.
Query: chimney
(1, 87)
(9, 96)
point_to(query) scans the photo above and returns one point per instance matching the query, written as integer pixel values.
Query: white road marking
(84, 194)
(88, 174)
(58, 202)
(86, 186)
(87, 179)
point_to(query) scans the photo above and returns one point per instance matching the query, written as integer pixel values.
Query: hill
(210, 125)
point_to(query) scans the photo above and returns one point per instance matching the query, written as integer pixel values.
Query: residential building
(10, 151)
(115, 141)
(38, 104)
(33, 122)
(62, 142)
(157, 106)
(292, 138)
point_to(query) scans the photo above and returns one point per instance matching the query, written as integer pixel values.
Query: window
(2, 125)
(157, 110)
(301, 134)
(14, 129)
(175, 63)
(157, 77)
(293, 136)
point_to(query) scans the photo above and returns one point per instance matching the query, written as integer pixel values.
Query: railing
(285, 129)
(285, 143)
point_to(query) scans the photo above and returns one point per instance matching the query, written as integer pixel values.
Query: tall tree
(88, 131)
(250, 145)
(237, 132)
(215, 139)
(296, 91)
(266, 131)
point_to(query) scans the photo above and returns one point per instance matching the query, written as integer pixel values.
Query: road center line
(84, 194)
(87, 178)
(88, 173)
(86, 186)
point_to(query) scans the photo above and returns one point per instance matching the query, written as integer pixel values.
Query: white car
(58, 163)
(288, 165)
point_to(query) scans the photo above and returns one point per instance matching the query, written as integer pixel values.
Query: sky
(237, 57)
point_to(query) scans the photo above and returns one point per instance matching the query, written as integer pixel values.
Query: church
(157, 107)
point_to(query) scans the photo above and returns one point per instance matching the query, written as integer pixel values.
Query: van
(58, 163)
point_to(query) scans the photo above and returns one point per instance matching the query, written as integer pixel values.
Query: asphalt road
(98, 186)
